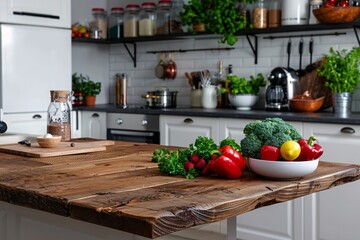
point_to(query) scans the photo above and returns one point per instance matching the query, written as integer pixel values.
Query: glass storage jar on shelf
(260, 14)
(98, 27)
(147, 19)
(163, 17)
(59, 114)
(131, 19)
(116, 23)
(274, 13)
(175, 20)
(314, 4)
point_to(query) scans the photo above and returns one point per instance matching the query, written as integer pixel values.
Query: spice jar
(147, 19)
(275, 13)
(163, 17)
(99, 25)
(131, 19)
(116, 26)
(260, 14)
(59, 114)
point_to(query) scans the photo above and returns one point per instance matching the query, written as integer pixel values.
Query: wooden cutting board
(64, 148)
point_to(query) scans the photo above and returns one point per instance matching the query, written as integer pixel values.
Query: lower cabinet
(180, 131)
(27, 123)
(333, 214)
(93, 124)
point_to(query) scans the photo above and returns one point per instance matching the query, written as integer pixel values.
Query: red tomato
(270, 153)
(328, 5)
(344, 4)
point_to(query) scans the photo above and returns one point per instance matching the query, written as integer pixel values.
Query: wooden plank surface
(122, 189)
(64, 148)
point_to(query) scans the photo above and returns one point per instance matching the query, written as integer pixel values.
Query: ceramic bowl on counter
(282, 170)
(243, 101)
(48, 141)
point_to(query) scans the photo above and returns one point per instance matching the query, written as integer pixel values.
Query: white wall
(272, 53)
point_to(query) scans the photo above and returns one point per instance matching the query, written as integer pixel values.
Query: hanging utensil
(288, 51)
(311, 67)
(160, 69)
(171, 67)
(300, 72)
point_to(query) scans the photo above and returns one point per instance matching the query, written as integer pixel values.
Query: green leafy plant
(341, 70)
(219, 17)
(240, 85)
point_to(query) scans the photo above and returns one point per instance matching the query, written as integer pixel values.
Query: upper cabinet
(53, 13)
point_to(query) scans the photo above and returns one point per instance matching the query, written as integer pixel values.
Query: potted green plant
(90, 89)
(220, 17)
(194, 15)
(243, 93)
(341, 72)
(77, 88)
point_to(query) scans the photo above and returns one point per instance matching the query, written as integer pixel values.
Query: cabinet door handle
(349, 130)
(188, 120)
(36, 116)
(95, 115)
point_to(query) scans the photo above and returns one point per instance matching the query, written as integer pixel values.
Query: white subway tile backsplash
(271, 54)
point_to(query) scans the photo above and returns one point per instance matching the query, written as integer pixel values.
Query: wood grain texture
(122, 189)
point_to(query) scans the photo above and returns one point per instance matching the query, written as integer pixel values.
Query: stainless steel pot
(161, 99)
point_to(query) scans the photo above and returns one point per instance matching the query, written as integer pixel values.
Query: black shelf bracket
(131, 54)
(254, 46)
(356, 34)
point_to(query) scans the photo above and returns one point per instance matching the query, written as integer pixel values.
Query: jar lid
(148, 4)
(117, 9)
(98, 10)
(129, 6)
(165, 2)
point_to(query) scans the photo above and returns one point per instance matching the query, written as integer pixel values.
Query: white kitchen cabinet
(93, 124)
(180, 131)
(280, 221)
(333, 214)
(76, 124)
(27, 123)
(52, 13)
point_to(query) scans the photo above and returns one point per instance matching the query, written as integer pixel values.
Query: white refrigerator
(34, 60)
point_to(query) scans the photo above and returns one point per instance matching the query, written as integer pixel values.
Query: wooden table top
(122, 189)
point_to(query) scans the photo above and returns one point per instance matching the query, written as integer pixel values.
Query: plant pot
(198, 27)
(342, 103)
(90, 101)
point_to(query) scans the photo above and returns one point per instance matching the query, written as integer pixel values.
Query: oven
(133, 127)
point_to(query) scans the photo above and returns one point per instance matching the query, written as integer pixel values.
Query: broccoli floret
(277, 139)
(270, 131)
(251, 145)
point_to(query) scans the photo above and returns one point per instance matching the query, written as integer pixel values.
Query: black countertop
(318, 117)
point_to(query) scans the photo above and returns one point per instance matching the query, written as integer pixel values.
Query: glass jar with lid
(260, 14)
(59, 114)
(163, 17)
(116, 26)
(131, 19)
(99, 26)
(314, 4)
(175, 20)
(147, 19)
(274, 13)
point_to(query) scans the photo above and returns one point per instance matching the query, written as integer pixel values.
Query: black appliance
(284, 85)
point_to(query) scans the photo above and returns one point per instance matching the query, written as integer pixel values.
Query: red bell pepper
(309, 150)
(233, 154)
(271, 153)
(228, 163)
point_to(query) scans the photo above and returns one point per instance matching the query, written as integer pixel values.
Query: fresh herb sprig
(240, 85)
(341, 70)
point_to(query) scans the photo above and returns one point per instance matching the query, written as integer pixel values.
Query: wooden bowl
(305, 105)
(337, 14)
(49, 142)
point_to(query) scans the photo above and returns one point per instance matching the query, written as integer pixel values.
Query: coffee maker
(284, 85)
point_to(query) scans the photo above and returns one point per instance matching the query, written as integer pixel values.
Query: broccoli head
(270, 131)
(251, 145)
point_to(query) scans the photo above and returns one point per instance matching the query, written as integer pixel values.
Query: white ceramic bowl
(243, 101)
(282, 169)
